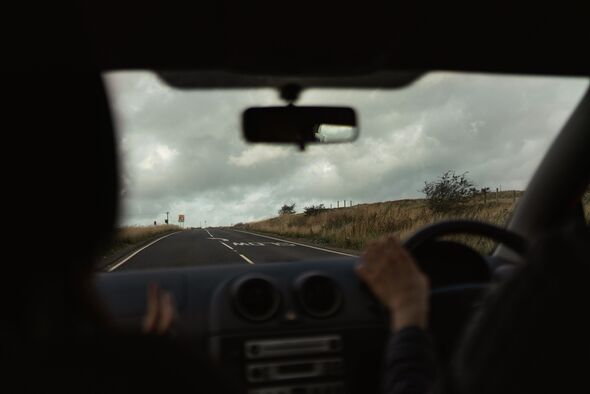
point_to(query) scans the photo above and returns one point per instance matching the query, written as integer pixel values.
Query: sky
(182, 151)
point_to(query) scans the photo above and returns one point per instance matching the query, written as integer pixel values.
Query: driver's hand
(393, 276)
(160, 312)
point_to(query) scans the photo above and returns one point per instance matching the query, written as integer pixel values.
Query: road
(219, 246)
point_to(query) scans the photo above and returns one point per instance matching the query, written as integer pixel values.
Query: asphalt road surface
(219, 246)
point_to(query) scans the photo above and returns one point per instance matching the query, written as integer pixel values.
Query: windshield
(450, 145)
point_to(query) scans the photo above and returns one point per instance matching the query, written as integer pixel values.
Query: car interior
(307, 326)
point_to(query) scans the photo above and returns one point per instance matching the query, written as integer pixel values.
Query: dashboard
(276, 328)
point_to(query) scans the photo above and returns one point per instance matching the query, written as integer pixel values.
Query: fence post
(338, 204)
(496, 194)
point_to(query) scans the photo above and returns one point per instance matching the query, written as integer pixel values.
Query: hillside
(352, 228)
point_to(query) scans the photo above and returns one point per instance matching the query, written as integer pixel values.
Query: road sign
(180, 218)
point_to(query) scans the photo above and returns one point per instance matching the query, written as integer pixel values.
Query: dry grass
(352, 228)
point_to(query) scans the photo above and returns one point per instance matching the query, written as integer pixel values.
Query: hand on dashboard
(393, 276)
(160, 311)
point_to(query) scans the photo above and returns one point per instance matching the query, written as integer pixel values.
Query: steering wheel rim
(506, 237)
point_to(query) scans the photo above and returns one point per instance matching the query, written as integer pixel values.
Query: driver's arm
(393, 276)
(410, 363)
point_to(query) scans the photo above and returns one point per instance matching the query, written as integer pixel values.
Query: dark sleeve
(410, 363)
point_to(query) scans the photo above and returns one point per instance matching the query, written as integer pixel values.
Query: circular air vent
(318, 294)
(256, 298)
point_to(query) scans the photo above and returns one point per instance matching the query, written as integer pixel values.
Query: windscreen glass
(448, 146)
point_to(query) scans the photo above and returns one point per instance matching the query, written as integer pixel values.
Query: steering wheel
(430, 233)
(462, 264)
(460, 279)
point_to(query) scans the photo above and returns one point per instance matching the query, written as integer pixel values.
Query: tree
(314, 209)
(449, 191)
(287, 209)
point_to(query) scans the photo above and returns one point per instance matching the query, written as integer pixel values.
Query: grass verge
(353, 228)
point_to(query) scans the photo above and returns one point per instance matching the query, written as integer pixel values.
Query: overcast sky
(182, 151)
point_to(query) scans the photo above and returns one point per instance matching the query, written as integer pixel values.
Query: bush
(314, 209)
(449, 191)
(287, 209)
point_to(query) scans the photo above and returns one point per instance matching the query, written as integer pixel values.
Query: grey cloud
(183, 152)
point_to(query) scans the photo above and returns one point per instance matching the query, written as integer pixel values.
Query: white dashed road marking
(247, 259)
(227, 246)
(296, 243)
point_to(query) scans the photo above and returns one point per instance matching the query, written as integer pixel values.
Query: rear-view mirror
(300, 125)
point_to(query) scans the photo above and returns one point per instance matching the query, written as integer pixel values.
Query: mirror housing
(299, 125)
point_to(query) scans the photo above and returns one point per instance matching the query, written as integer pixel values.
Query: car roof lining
(333, 45)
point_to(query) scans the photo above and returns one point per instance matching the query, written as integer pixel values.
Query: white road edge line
(120, 263)
(209, 233)
(296, 243)
(247, 259)
(226, 245)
